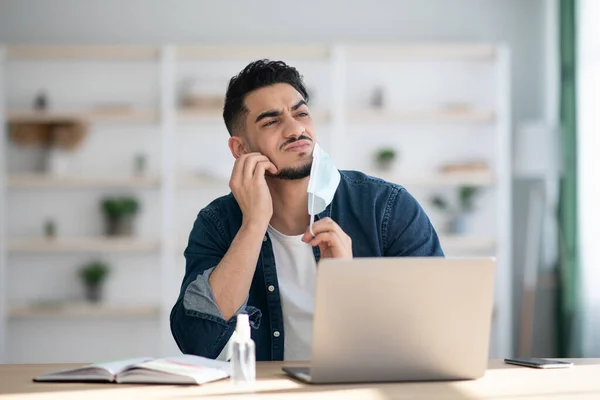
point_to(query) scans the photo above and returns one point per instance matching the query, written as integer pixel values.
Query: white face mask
(324, 180)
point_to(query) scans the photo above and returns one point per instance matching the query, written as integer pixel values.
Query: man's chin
(293, 173)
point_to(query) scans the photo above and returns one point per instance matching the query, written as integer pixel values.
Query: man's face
(279, 126)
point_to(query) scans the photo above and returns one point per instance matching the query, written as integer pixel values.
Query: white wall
(518, 23)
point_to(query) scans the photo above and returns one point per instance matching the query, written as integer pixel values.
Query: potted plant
(459, 214)
(50, 228)
(385, 158)
(93, 275)
(119, 213)
(140, 162)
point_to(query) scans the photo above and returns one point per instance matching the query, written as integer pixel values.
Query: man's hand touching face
(249, 187)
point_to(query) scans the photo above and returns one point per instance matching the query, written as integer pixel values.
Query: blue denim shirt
(381, 218)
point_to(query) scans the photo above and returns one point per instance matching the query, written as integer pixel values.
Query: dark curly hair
(256, 75)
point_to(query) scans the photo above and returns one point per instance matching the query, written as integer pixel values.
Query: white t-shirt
(296, 275)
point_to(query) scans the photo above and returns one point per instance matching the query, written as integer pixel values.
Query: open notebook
(182, 370)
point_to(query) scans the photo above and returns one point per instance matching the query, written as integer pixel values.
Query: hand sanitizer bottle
(243, 360)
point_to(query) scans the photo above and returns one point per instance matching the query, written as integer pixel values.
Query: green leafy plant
(466, 200)
(50, 228)
(120, 206)
(140, 162)
(94, 273)
(466, 197)
(440, 202)
(386, 155)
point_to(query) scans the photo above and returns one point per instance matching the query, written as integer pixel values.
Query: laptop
(400, 319)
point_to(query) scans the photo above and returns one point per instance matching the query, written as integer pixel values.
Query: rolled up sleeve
(197, 324)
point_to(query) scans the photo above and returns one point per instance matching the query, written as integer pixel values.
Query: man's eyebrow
(268, 114)
(298, 105)
(277, 113)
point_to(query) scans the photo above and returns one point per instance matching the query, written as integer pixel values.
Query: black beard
(291, 174)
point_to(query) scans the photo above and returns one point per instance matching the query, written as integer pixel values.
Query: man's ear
(236, 146)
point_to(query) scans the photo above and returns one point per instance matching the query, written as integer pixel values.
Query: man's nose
(292, 127)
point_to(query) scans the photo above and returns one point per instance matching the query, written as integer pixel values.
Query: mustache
(290, 141)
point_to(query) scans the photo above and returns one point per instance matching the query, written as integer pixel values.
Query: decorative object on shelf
(385, 158)
(465, 167)
(378, 97)
(40, 103)
(50, 228)
(456, 108)
(57, 140)
(140, 164)
(119, 213)
(93, 275)
(459, 214)
(201, 94)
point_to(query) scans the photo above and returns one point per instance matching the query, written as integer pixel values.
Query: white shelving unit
(89, 116)
(83, 311)
(41, 181)
(422, 116)
(3, 256)
(194, 162)
(83, 245)
(468, 243)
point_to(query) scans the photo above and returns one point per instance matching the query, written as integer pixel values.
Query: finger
(325, 225)
(329, 238)
(272, 168)
(261, 168)
(269, 166)
(237, 171)
(250, 164)
(307, 237)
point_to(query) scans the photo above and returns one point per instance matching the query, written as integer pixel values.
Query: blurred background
(113, 140)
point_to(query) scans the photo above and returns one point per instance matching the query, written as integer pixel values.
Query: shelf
(451, 243)
(431, 116)
(369, 52)
(451, 179)
(83, 310)
(82, 245)
(414, 52)
(94, 116)
(247, 53)
(198, 181)
(117, 53)
(216, 115)
(41, 181)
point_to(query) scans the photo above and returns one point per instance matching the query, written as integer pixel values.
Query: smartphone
(538, 363)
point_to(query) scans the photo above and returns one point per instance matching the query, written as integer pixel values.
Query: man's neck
(290, 205)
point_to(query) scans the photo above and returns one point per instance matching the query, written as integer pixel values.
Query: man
(256, 250)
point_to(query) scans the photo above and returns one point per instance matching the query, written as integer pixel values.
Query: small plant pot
(55, 161)
(386, 165)
(50, 229)
(119, 226)
(458, 224)
(93, 293)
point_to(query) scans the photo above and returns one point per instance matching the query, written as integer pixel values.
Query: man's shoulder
(360, 181)
(224, 207)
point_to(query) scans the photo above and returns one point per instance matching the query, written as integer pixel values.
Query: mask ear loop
(312, 206)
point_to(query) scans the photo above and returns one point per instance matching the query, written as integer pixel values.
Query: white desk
(501, 382)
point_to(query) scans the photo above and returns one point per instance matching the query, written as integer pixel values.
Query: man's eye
(302, 114)
(269, 123)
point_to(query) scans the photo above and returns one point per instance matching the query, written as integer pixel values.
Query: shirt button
(271, 288)
(276, 333)
(265, 238)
